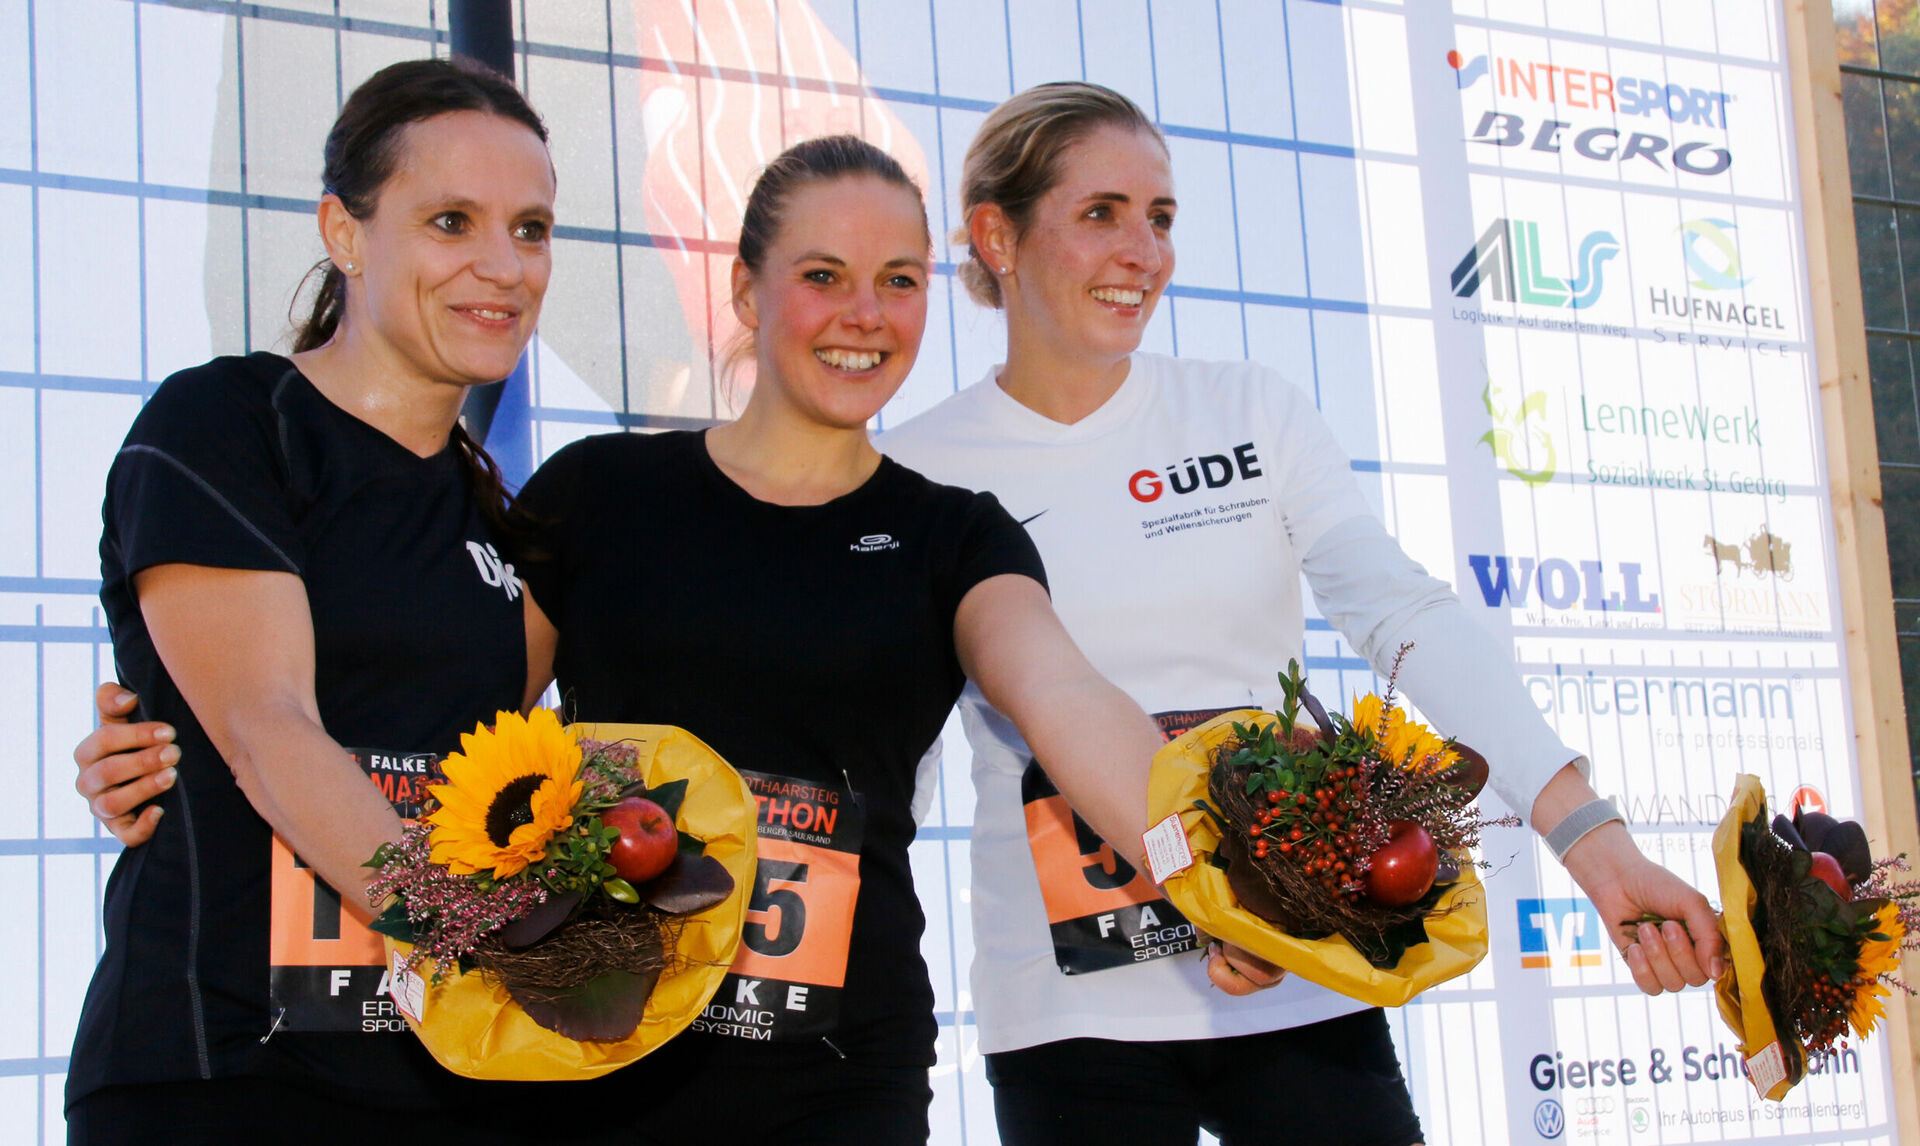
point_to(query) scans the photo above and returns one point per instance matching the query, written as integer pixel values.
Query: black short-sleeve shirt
(813, 642)
(243, 464)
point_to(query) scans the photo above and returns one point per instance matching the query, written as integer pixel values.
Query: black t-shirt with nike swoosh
(805, 642)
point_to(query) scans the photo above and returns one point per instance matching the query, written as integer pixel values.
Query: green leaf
(620, 889)
(691, 846)
(1255, 781)
(394, 922)
(669, 795)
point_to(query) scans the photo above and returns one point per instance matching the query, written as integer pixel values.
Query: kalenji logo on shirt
(493, 571)
(1190, 474)
(874, 543)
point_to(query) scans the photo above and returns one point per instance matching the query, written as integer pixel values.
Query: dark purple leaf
(606, 1008)
(1449, 871)
(537, 924)
(1784, 828)
(1813, 828)
(1318, 712)
(1847, 843)
(1470, 772)
(690, 884)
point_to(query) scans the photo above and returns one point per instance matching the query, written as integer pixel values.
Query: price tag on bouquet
(328, 972)
(787, 977)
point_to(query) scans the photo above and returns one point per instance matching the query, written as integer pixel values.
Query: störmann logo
(1506, 260)
(1560, 86)
(1190, 474)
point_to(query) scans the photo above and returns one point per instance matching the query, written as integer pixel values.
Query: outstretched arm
(1095, 743)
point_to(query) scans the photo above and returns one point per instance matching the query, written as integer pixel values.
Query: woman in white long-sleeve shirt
(1176, 504)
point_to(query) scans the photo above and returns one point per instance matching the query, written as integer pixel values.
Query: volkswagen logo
(1548, 1119)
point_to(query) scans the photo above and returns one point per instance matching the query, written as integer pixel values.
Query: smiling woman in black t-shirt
(812, 610)
(301, 554)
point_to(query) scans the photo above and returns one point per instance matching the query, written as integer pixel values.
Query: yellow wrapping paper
(475, 1030)
(1455, 942)
(1775, 1059)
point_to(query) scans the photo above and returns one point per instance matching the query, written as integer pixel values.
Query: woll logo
(1189, 474)
(1519, 437)
(493, 571)
(1560, 933)
(1559, 584)
(1507, 260)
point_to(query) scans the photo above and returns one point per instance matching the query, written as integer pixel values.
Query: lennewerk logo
(493, 571)
(1560, 86)
(1559, 933)
(1519, 438)
(1506, 259)
(874, 543)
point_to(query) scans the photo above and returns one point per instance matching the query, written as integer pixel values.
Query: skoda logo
(1549, 1121)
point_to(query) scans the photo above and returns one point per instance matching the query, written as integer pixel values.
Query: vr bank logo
(1507, 260)
(1559, 933)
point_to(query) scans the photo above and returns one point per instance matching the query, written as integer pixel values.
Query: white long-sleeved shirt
(1175, 522)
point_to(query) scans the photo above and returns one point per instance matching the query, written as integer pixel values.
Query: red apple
(1826, 868)
(1403, 869)
(648, 840)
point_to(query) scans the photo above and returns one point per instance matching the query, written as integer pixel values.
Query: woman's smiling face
(1097, 251)
(839, 304)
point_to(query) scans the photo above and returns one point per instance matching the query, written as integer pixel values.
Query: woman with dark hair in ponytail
(308, 578)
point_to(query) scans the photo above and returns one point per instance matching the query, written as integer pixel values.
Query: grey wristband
(1578, 823)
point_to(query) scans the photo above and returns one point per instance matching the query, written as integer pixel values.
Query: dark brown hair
(1015, 159)
(363, 151)
(810, 161)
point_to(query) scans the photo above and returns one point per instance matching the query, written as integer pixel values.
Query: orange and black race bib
(792, 965)
(329, 972)
(1101, 911)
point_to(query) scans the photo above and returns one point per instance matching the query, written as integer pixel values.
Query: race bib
(1102, 912)
(792, 964)
(329, 972)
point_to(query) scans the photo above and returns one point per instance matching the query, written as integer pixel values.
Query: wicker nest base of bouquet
(605, 936)
(1280, 892)
(1787, 986)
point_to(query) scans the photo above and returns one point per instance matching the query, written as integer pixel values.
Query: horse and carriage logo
(1761, 554)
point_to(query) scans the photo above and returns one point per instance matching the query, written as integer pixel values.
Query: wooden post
(1853, 469)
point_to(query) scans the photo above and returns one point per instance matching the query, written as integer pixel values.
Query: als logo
(1559, 933)
(1719, 270)
(1549, 1121)
(1507, 260)
(1519, 438)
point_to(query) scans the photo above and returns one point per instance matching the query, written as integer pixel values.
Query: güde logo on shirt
(1190, 474)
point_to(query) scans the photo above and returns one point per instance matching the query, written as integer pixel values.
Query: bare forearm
(1097, 747)
(314, 796)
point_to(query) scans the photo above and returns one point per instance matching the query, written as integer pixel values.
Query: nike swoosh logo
(1034, 516)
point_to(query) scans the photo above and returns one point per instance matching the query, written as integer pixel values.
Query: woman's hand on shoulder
(124, 766)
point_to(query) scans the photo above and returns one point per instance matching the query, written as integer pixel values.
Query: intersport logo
(1507, 261)
(1560, 86)
(1210, 471)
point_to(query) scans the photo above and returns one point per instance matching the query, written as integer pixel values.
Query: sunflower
(1403, 743)
(1879, 955)
(508, 790)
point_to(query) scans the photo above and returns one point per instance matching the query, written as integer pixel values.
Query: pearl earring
(1003, 270)
(349, 268)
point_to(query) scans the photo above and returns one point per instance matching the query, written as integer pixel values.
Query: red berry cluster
(1319, 831)
(1825, 1019)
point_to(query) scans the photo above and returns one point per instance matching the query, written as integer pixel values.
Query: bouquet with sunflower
(1815, 926)
(1340, 848)
(570, 897)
